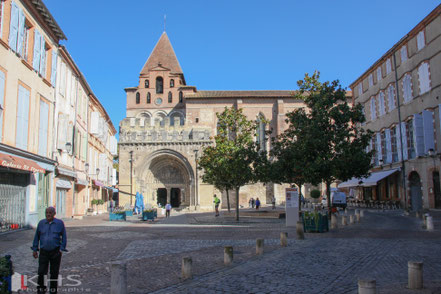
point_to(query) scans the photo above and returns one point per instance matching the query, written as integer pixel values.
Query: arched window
(149, 98)
(181, 97)
(138, 98)
(170, 97)
(260, 133)
(146, 83)
(172, 83)
(159, 85)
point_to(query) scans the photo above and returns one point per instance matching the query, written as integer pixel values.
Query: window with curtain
(407, 88)
(373, 109)
(391, 97)
(381, 105)
(403, 52)
(424, 77)
(410, 139)
(421, 42)
(379, 74)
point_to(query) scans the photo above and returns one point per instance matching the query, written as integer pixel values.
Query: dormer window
(147, 83)
(159, 85)
(181, 97)
(170, 97)
(172, 83)
(149, 98)
(138, 98)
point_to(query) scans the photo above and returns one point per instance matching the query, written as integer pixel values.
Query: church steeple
(162, 57)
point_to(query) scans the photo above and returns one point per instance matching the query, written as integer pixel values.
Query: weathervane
(165, 19)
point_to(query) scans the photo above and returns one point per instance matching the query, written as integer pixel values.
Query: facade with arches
(167, 125)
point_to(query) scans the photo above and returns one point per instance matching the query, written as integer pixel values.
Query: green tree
(235, 159)
(327, 141)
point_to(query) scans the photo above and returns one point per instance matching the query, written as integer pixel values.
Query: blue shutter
(43, 126)
(54, 68)
(13, 29)
(43, 57)
(21, 30)
(388, 146)
(378, 149)
(418, 134)
(404, 140)
(37, 48)
(22, 118)
(429, 140)
(2, 100)
(398, 140)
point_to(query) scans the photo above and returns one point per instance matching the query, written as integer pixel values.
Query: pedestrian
(50, 239)
(250, 202)
(257, 203)
(253, 202)
(273, 201)
(111, 205)
(216, 204)
(167, 209)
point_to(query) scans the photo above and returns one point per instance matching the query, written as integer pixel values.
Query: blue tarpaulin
(139, 203)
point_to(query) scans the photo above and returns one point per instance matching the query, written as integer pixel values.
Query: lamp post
(196, 178)
(131, 167)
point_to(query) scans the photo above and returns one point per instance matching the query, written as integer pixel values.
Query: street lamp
(68, 147)
(86, 169)
(196, 178)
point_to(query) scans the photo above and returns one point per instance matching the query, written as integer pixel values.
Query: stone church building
(168, 123)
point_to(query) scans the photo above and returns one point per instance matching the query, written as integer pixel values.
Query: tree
(327, 141)
(235, 159)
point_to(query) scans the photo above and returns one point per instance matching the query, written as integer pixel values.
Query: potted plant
(129, 212)
(315, 222)
(117, 214)
(149, 214)
(95, 208)
(315, 194)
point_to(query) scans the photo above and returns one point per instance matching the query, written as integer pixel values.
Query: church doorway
(175, 197)
(161, 196)
(416, 197)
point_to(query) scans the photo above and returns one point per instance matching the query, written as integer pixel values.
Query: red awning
(97, 183)
(15, 162)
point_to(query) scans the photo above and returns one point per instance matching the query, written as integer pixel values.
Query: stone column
(367, 287)
(415, 275)
(228, 255)
(118, 278)
(259, 246)
(182, 195)
(186, 268)
(168, 195)
(284, 239)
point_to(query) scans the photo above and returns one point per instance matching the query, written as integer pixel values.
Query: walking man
(216, 204)
(51, 236)
(167, 209)
(273, 201)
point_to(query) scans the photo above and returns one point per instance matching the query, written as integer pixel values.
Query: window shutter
(43, 126)
(54, 68)
(37, 48)
(84, 147)
(2, 101)
(418, 134)
(373, 110)
(22, 118)
(407, 88)
(360, 89)
(13, 28)
(403, 52)
(62, 129)
(404, 140)
(371, 80)
(378, 149)
(94, 118)
(388, 66)
(382, 108)
(391, 97)
(398, 140)
(21, 30)
(420, 40)
(43, 57)
(429, 140)
(388, 146)
(379, 75)
(424, 78)
(2, 9)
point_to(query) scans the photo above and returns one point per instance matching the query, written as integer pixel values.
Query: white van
(338, 199)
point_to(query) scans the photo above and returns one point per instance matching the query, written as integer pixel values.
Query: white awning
(63, 184)
(372, 180)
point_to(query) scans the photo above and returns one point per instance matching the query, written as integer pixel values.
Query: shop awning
(66, 172)
(63, 184)
(82, 182)
(372, 180)
(97, 183)
(15, 162)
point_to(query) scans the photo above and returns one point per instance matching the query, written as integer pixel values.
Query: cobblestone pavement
(378, 247)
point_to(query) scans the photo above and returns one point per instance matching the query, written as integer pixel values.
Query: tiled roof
(240, 94)
(163, 55)
(48, 18)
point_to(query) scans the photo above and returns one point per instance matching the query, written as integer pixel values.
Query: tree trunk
(328, 195)
(300, 196)
(237, 203)
(228, 200)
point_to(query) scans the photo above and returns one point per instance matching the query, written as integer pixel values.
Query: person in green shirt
(216, 204)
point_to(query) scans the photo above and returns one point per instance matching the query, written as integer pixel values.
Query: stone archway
(416, 197)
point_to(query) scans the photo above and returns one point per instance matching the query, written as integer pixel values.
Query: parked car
(338, 199)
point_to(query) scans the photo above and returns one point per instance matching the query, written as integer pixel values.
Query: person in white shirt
(167, 209)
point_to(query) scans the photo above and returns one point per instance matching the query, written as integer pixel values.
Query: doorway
(416, 197)
(175, 197)
(436, 189)
(61, 202)
(161, 196)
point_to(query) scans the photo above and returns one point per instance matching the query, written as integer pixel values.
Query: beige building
(167, 125)
(400, 94)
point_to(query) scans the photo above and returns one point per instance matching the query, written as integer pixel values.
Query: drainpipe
(403, 167)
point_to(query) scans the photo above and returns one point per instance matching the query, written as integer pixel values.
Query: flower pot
(129, 212)
(117, 216)
(146, 215)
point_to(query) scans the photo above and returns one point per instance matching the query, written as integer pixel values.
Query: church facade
(167, 125)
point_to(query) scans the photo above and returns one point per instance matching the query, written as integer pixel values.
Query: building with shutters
(29, 37)
(167, 125)
(400, 94)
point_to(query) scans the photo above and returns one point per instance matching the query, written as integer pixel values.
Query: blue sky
(231, 45)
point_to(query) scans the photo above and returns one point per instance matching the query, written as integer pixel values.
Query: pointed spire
(162, 55)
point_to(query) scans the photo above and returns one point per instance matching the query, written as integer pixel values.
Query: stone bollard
(429, 223)
(351, 219)
(299, 231)
(344, 220)
(228, 255)
(361, 213)
(357, 216)
(367, 287)
(259, 246)
(415, 275)
(118, 278)
(334, 220)
(186, 268)
(284, 239)
(417, 214)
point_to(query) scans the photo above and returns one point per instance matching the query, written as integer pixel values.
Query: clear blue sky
(231, 45)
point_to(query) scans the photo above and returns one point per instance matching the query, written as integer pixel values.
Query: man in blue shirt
(51, 235)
